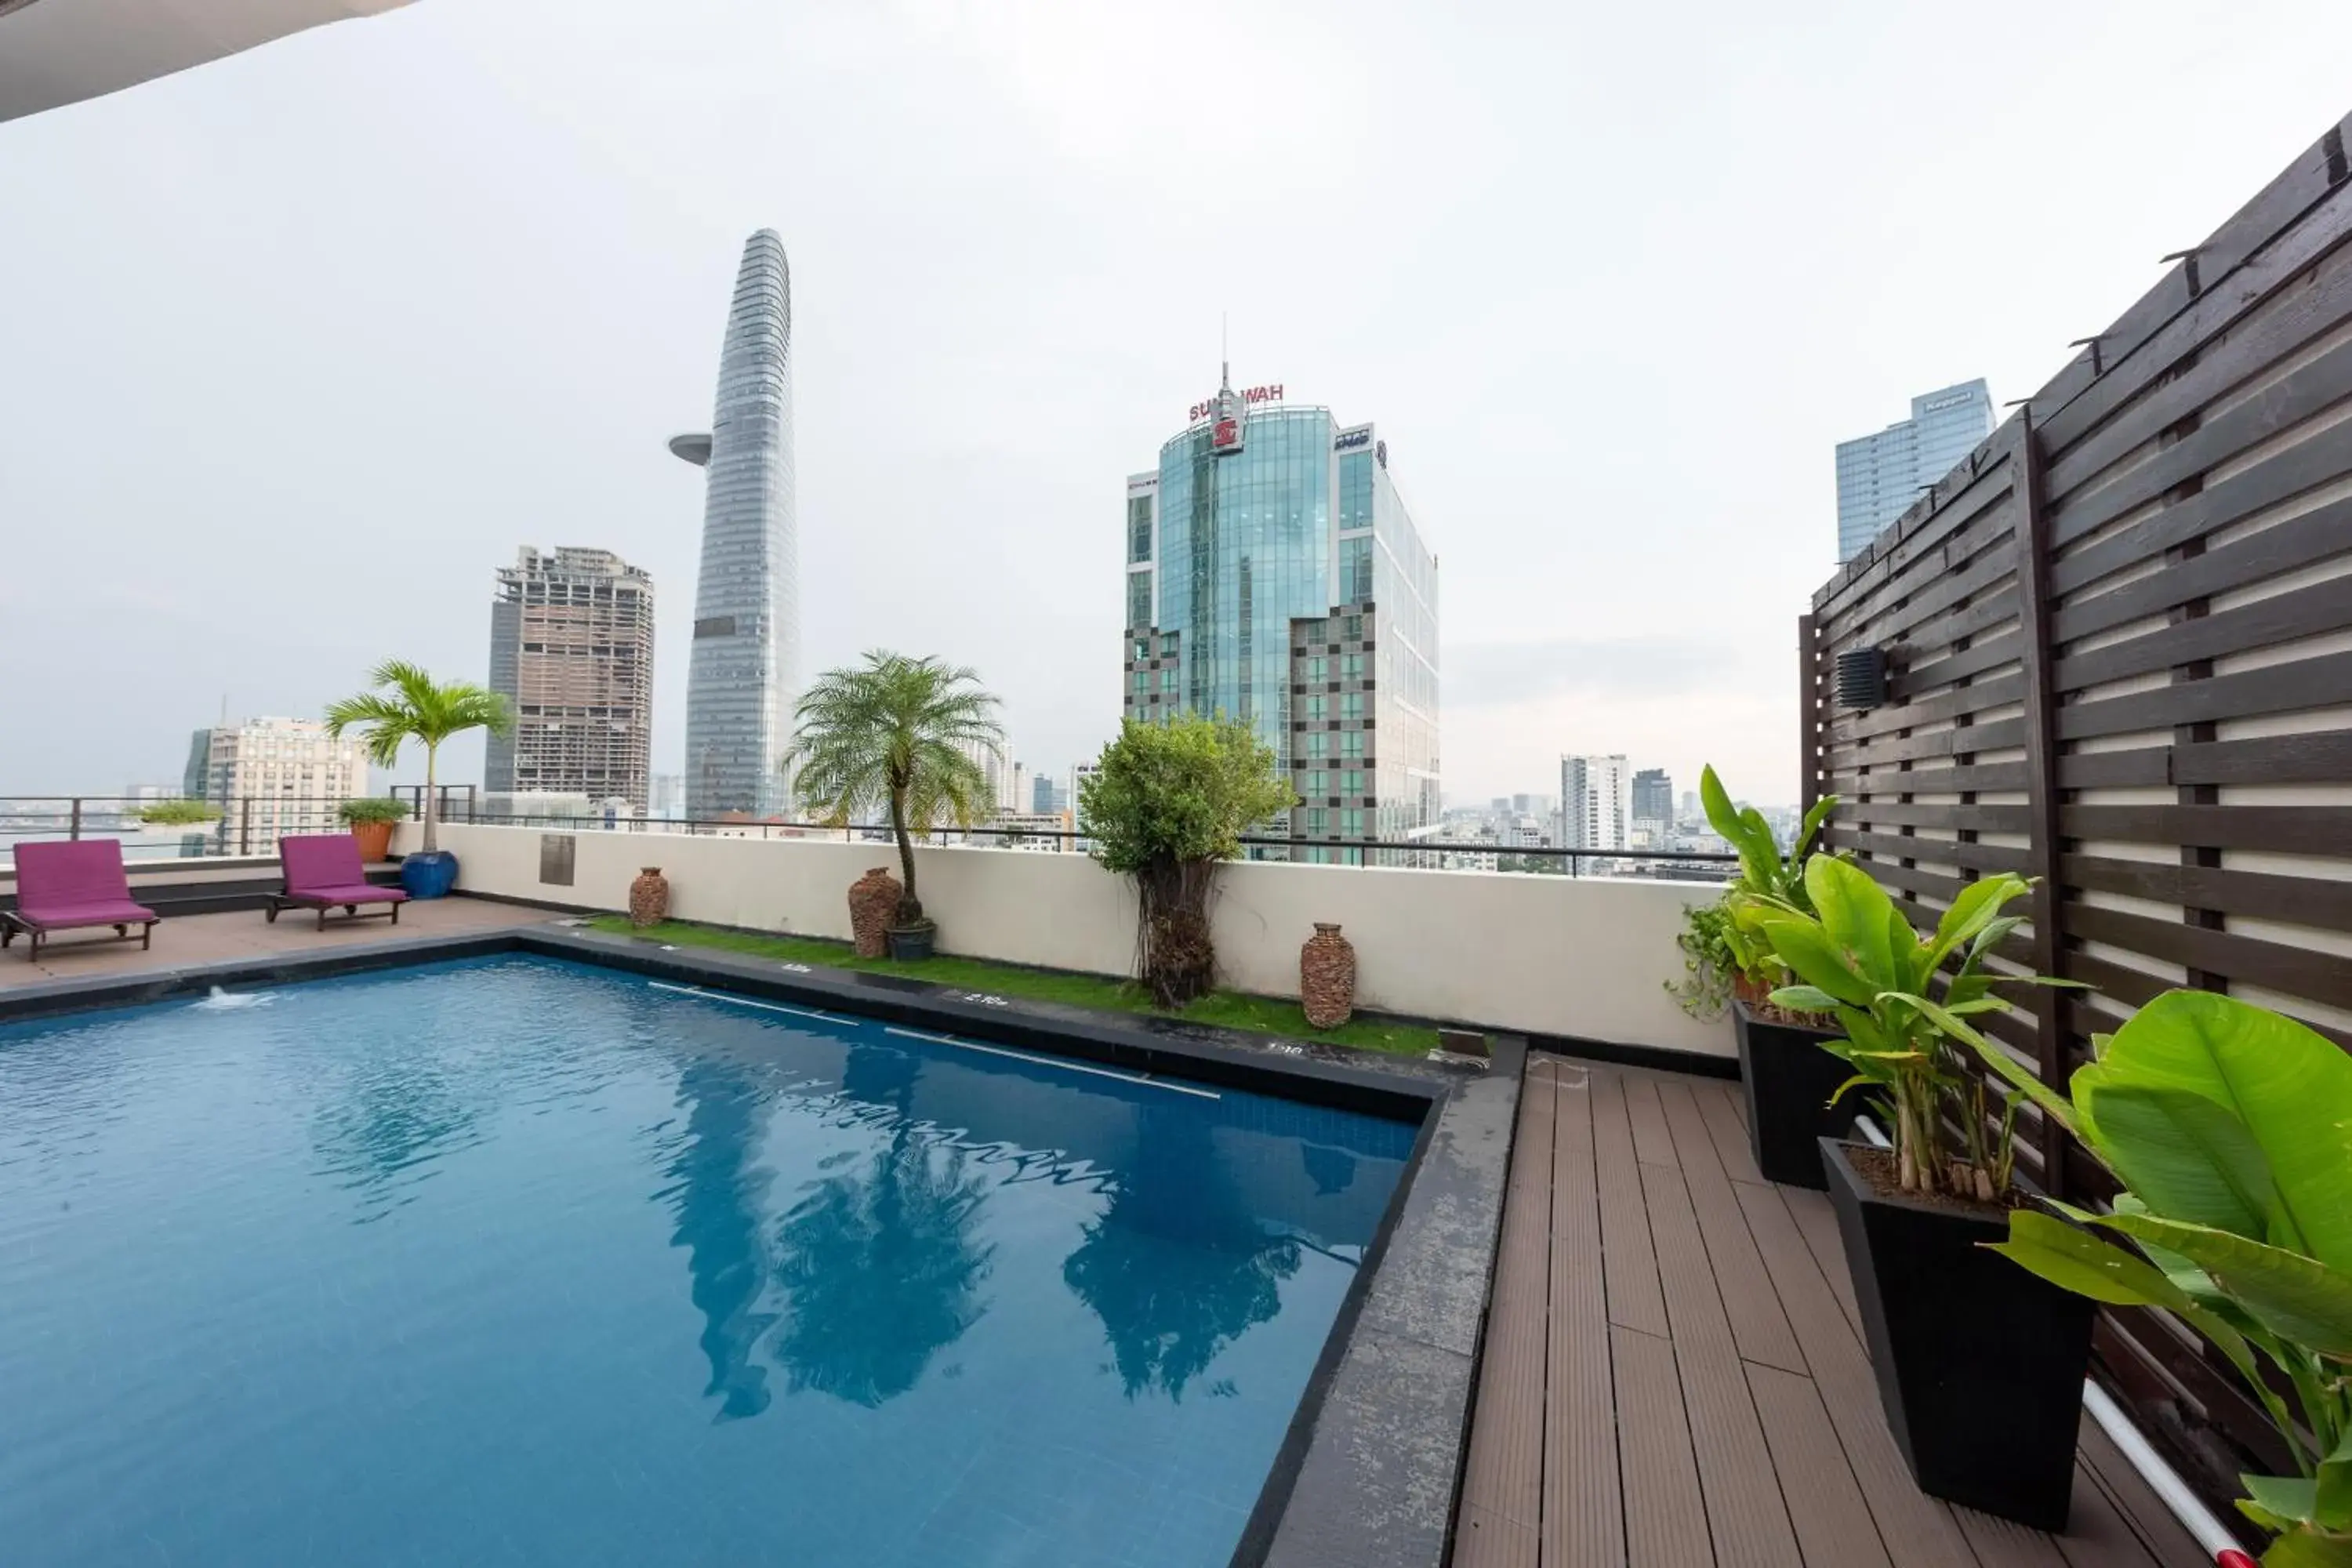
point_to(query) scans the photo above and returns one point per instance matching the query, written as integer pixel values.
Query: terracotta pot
(375, 840)
(1327, 977)
(873, 907)
(650, 898)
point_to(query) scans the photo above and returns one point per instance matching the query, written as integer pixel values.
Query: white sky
(297, 348)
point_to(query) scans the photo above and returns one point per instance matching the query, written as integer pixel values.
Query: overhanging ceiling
(56, 52)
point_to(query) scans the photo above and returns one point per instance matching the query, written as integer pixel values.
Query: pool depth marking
(1055, 1062)
(940, 1040)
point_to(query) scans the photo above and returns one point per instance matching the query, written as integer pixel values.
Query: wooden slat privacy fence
(2120, 645)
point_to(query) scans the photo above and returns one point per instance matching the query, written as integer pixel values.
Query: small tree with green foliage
(894, 735)
(179, 812)
(1167, 805)
(412, 705)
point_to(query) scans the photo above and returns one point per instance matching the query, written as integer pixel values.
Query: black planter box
(1788, 1079)
(1980, 1363)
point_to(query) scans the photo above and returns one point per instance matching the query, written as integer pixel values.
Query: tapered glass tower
(744, 671)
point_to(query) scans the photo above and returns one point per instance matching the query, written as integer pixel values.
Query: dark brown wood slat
(1982, 818)
(2111, 770)
(2124, 411)
(1919, 1532)
(2161, 1535)
(1832, 1522)
(2288, 473)
(2302, 830)
(1635, 1299)
(2322, 757)
(1758, 1328)
(2314, 536)
(1502, 1478)
(1666, 1519)
(1749, 1521)
(1719, 1103)
(2324, 681)
(1966, 663)
(1970, 563)
(1948, 851)
(1920, 549)
(2324, 902)
(2307, 392)
(1653, 1143)
(1998, 1543)
(1817, 1223)
(2297, 971)
(1930, 706)
(1584, 1509)
(1935, 779)
(2313, 611)
(1993, 735)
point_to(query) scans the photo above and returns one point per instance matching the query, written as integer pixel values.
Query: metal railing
(251, 824)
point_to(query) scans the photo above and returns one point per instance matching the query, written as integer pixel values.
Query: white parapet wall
(1587, 958)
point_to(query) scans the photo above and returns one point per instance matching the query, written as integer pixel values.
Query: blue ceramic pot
(428, 876)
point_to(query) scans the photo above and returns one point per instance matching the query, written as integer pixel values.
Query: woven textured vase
(873, 905)
(650, 898)
(1327, 977)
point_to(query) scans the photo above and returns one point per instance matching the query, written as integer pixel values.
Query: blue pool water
(515, 1261)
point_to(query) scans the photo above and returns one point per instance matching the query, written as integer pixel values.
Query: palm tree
(416, 707)
(895, 733)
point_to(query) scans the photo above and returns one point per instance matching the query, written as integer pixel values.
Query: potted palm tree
(409, 704)
(901, 736)
(371, 822)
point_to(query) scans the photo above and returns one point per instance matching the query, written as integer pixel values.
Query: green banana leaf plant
(1859, 960)
(1767, 879)
(2230, 1129)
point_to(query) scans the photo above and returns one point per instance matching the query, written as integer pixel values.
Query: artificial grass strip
(1223, 1009)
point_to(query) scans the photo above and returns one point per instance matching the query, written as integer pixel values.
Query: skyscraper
(744, 671)
(275, 775)
(1592, 803)
(1654, 796)
(1878, 477)
(572, 650)
(1273, 576)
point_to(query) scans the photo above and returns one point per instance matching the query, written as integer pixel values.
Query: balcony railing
(249, 825)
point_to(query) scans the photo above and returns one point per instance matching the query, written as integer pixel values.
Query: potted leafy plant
(1167, 805)
(1979, 1365)
(900, 735)
(411, 705)
(1789, 1081)
(371, 822)
(2230, 1129)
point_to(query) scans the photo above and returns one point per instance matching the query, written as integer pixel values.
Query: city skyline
(378, 359)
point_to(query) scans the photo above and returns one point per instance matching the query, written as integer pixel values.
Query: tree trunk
(432, 804)
(910, 908)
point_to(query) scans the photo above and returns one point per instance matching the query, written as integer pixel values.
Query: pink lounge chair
(322, 871)
(70, 886)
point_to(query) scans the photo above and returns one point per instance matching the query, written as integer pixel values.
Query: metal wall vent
(1862, 677)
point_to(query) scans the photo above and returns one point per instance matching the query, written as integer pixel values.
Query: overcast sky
(297, 348)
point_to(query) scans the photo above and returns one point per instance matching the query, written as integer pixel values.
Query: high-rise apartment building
(572, 650)
(1593, 802)
(1653, 796)
(270, 776)
(1275, 576)
(1878, 477)
(743, 674)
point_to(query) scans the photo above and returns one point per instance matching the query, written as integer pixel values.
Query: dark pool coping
(1368, 1473)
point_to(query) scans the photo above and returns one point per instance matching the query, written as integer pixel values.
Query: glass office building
(743, 674)
(1878, 477)
(1285, 585)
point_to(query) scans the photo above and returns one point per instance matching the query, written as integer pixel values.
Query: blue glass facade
(1878, 477)
(1287, 585)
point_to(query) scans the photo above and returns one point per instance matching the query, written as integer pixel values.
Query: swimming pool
(516, 1260)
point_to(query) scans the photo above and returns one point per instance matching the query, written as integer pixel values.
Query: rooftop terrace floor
(183, 941)
(1674, 1376)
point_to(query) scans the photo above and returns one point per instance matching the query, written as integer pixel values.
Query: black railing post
(244, 825)
(74, 817)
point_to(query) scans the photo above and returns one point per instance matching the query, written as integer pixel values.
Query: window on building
(1351, 782)
(1139, 598)
(1138, 528)
(1168, 642)
(1142, 680)
(1351, 822)
(1319, 668)
(1318, 782)
(1313, 631)
(1351, 705)
(1168, 678)
(1315, 816)
(1315, 706)
(1356, 570)
(1319, 743)
(1351, 742)
(1352, 667)
(1144, 648)
(1351, 626)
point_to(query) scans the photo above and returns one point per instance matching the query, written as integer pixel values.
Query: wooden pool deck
(1674, 1377)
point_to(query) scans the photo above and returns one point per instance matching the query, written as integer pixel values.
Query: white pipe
(2195, 1518)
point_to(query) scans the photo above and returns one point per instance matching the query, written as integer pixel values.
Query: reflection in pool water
(517, 1261)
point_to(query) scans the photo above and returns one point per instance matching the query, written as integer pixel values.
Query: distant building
(1653, 798)
(668, 796)
(1044, 796)
(275, 776)
(1593, 802)
(572, 650)
(1273, 576)
(1878, 477)
(743, 673)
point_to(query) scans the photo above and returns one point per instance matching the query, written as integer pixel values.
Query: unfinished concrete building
(571, 648)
